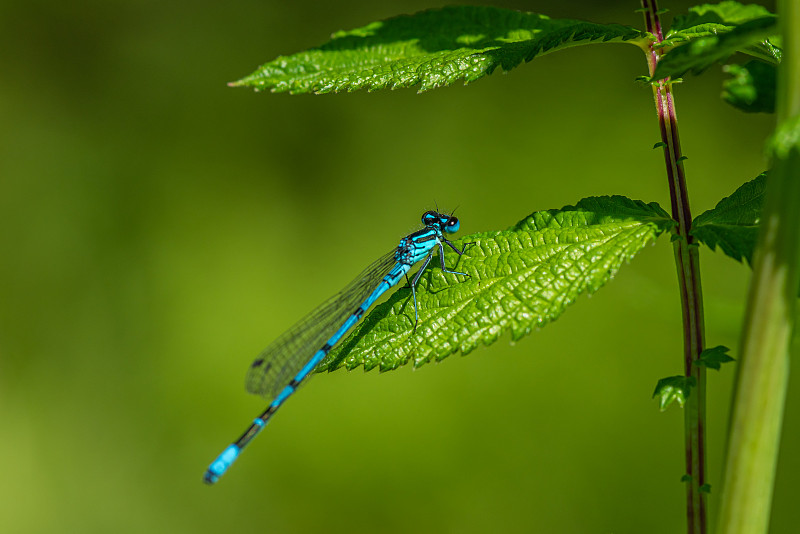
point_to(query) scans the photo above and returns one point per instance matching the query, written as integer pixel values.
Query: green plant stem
(763, 372)
(687, 261)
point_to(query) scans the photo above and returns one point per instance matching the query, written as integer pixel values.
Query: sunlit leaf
(519, 280)
(428, 49)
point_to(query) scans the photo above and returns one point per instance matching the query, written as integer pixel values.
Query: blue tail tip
(221, 464)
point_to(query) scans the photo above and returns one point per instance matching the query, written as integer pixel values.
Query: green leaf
(699, 53)
(714, 357)
(751, 87)
(733, 223)
(519, 279)
(673, 389)
(429, 49)
(709, 19)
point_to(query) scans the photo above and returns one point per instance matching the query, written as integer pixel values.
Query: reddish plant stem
(687, 261)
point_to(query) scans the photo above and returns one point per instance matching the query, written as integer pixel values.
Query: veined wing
(283, 359)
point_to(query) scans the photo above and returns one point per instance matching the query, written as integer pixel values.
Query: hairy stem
(687, 261)
(764, 364)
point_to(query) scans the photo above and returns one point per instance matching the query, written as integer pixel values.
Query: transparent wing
(283, 359)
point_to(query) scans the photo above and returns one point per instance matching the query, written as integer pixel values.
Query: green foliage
(429, 49)
(714, 357)
(673, 389)
(519, 279)
(695, 56)
(751, 87)
(712, 32)
(526, 276)
(733, 223)
(710, 19)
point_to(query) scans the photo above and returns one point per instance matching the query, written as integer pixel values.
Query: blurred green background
(159, 229)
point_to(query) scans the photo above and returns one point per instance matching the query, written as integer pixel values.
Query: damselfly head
(447, 223)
